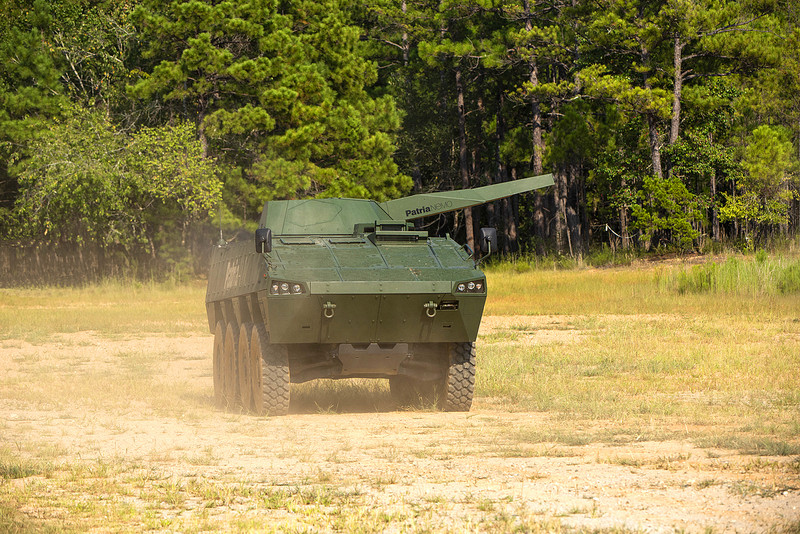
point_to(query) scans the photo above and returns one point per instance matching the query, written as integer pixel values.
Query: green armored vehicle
(344, 288)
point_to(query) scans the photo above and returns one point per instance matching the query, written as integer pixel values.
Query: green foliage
(337, 98)
(764, 191)
(93, 42)
(667, 211)
(758, 275)
(87, 181)
(30, 92)
(281, 93)
(601, 84)
(571, 138)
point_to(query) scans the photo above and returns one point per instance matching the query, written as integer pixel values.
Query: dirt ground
(430, 471)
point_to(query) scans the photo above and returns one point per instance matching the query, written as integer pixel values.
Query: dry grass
(583, 359)
(637, 290)
(112, 309)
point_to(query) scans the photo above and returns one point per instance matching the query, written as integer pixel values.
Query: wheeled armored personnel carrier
(344, 288)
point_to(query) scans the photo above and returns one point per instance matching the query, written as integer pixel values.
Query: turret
(427, 204)
(343, 215)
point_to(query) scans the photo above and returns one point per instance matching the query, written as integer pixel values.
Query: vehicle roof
(324, 216)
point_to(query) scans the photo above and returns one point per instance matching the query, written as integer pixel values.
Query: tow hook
(329, 309)
(430, 309)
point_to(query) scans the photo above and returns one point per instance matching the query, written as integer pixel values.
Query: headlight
(278, 287)
(473, 286)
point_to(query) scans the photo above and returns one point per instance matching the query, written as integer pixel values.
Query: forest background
(133, 134)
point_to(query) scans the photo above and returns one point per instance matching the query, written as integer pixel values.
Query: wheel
(244, 366)
(218, 369)
(229, 356)
(271, 384)
(459, 384)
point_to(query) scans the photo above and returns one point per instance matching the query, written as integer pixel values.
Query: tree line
(139, 128)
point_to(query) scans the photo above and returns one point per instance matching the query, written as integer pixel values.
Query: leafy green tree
(452, 49)
(624, 40)
(278, 91)
(667, 212)
(95, 44)
(86, 181)
(703, 157)
(765, 189)
(30, 89)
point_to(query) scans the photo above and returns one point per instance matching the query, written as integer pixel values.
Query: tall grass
(757, 276)
(764, 287)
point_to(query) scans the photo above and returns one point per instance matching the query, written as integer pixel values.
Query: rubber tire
(459, 384)
(274, 379)
(217, 368)
(229, 376)
(244, 366)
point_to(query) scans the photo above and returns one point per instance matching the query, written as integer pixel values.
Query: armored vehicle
(342, 288)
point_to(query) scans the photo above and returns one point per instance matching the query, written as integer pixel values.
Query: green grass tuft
(759, 275)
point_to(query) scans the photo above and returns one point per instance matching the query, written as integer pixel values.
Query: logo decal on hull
(231, 274)
(435, 208)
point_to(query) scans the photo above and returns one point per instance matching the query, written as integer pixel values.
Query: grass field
(575, 359)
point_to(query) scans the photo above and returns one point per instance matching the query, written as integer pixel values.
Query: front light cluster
(286, 288)
(473, 286)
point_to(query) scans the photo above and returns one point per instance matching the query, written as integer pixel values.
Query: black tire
(245, 368)
(217, 365)
(229, 376)
(272, 383)
(459, 384)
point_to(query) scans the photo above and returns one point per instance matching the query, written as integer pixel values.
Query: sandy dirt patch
(436, 471)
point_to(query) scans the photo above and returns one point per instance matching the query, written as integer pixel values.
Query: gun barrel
(426, 204)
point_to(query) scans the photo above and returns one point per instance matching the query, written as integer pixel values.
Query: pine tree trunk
(537, 142)
(491, 207)
(538, 150)
(501, 175)
(714, 211)
(655, 145)
(462, 156)
(583, 212)
(405, 44)
(623, 222)
(511, 217)
(559, 198)
(652, 126)
(477, 210)
(539, 222)
(677, 88)
(571, 212)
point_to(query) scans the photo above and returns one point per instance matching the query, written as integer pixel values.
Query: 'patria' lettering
(433, 208)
